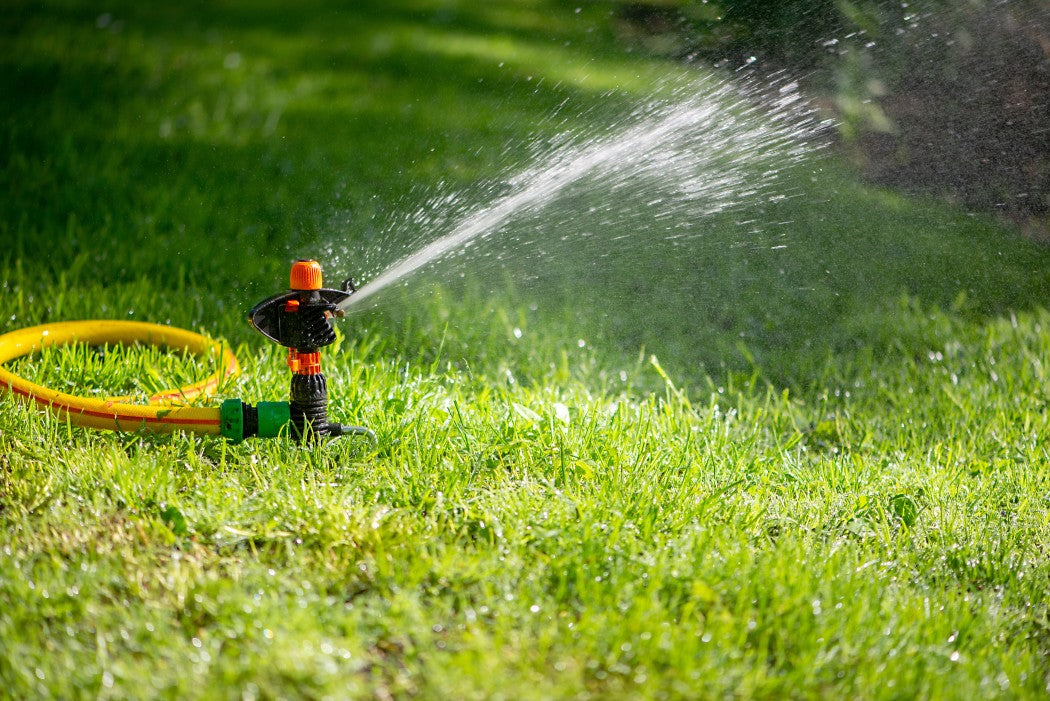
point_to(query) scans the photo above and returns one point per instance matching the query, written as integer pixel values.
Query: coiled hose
(166, 412)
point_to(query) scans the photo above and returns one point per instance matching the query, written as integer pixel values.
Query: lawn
(803, 460)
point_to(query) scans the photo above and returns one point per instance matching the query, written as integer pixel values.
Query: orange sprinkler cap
(306, 275)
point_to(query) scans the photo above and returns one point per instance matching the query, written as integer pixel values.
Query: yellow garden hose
(167, 411)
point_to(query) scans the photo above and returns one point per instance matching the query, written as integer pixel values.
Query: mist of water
(717, 144)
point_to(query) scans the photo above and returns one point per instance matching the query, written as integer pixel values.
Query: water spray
(298, 319)
(713, 147)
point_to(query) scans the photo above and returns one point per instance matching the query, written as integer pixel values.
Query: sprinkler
(299, 319)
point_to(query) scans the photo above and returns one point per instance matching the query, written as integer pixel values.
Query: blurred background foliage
(949, 97)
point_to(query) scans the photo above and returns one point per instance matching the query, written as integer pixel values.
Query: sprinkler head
(300, 320)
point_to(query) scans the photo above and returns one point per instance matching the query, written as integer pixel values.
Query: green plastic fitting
(240, 420)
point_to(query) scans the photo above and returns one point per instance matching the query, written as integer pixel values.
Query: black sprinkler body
(300, 320)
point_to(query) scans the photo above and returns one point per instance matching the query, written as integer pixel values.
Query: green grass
(832, 482)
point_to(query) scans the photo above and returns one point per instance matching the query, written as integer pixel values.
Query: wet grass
(830, 482)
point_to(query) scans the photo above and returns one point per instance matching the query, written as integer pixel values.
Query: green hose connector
(239, 420)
